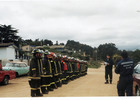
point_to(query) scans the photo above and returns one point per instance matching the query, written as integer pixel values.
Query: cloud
(91, 22)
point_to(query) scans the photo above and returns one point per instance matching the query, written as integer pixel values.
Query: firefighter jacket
(47, 68)
(54, 67)
(36, 68)
(59, 66)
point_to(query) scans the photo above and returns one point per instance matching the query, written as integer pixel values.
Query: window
(9, 65)
(16, 65)
(23, 65)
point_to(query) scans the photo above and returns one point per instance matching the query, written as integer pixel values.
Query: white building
(7, 51)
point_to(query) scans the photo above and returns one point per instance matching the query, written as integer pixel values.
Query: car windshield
(137, 69)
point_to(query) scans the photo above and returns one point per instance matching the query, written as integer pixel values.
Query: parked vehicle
(20, 68)
(136, 80)
(5, 76)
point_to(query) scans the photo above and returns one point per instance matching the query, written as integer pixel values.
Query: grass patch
(95, 64)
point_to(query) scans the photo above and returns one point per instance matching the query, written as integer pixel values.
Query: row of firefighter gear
(51, 71)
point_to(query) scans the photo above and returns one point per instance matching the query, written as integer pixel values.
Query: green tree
(106, 49)
(9, 34)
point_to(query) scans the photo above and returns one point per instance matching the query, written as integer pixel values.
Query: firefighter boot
(106, 82)
(38, 94)
(33, 93)
(44, 91)
(49, 88)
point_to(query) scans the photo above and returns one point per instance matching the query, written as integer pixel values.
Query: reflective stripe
(50, 66)
(35, 88)
(55, 74)
(41, 66)
(59, 65)
(46, 75)
(33, 68)
(129, 62)
(34, 77)
(63, 79)
(55, 67)
(38, 66)
(52, 83)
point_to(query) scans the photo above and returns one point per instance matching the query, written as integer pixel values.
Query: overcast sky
(91, 22)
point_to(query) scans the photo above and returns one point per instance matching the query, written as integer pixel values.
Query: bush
(95, 64)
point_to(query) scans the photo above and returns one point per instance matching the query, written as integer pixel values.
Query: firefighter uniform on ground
(125, 69)
(35, 74)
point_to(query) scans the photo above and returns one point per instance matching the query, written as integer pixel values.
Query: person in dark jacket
(35, 74)
(108, 69)
(48, 69)
(125, 69)
(43, 75)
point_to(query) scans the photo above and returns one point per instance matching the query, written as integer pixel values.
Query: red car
(5, 76)
(136, 80)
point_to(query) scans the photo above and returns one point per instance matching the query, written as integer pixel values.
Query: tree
(76, 46)
(106, 49)
(135, 55)
(8, 34)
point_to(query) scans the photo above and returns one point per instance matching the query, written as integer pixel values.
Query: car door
(18, 68)
(24, 68)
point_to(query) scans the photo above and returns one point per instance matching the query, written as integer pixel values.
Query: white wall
(3, 51)
(10, 53)
(7, 53)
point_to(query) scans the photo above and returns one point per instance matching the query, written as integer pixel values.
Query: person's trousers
(108, 72)
(125, 85)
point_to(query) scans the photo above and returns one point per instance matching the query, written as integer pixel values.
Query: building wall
(3, 53)
(11, 53)
(7, 53)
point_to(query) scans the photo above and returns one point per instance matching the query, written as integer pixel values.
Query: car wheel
(137, 92)
(6, 80)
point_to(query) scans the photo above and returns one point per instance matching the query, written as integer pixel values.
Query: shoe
(106, 83)
(33, 93)
(44, 91)
(50, 89)
(38, 94)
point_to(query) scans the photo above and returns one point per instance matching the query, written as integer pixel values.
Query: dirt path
(91, 85)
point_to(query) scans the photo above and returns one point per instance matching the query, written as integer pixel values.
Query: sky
(91, 22)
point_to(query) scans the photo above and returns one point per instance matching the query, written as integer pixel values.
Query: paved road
(91, 85)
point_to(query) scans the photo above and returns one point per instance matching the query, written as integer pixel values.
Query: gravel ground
(91, 85)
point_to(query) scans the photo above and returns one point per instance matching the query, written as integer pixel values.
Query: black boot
(50, 89)
(38, 94)
(44, 91)
(106, 82)
(110, 81)
(33, 93)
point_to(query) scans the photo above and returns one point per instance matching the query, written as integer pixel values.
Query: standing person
(125, 69)
(48, 70)
(108, 69)
(35, 74)
(43, 74)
